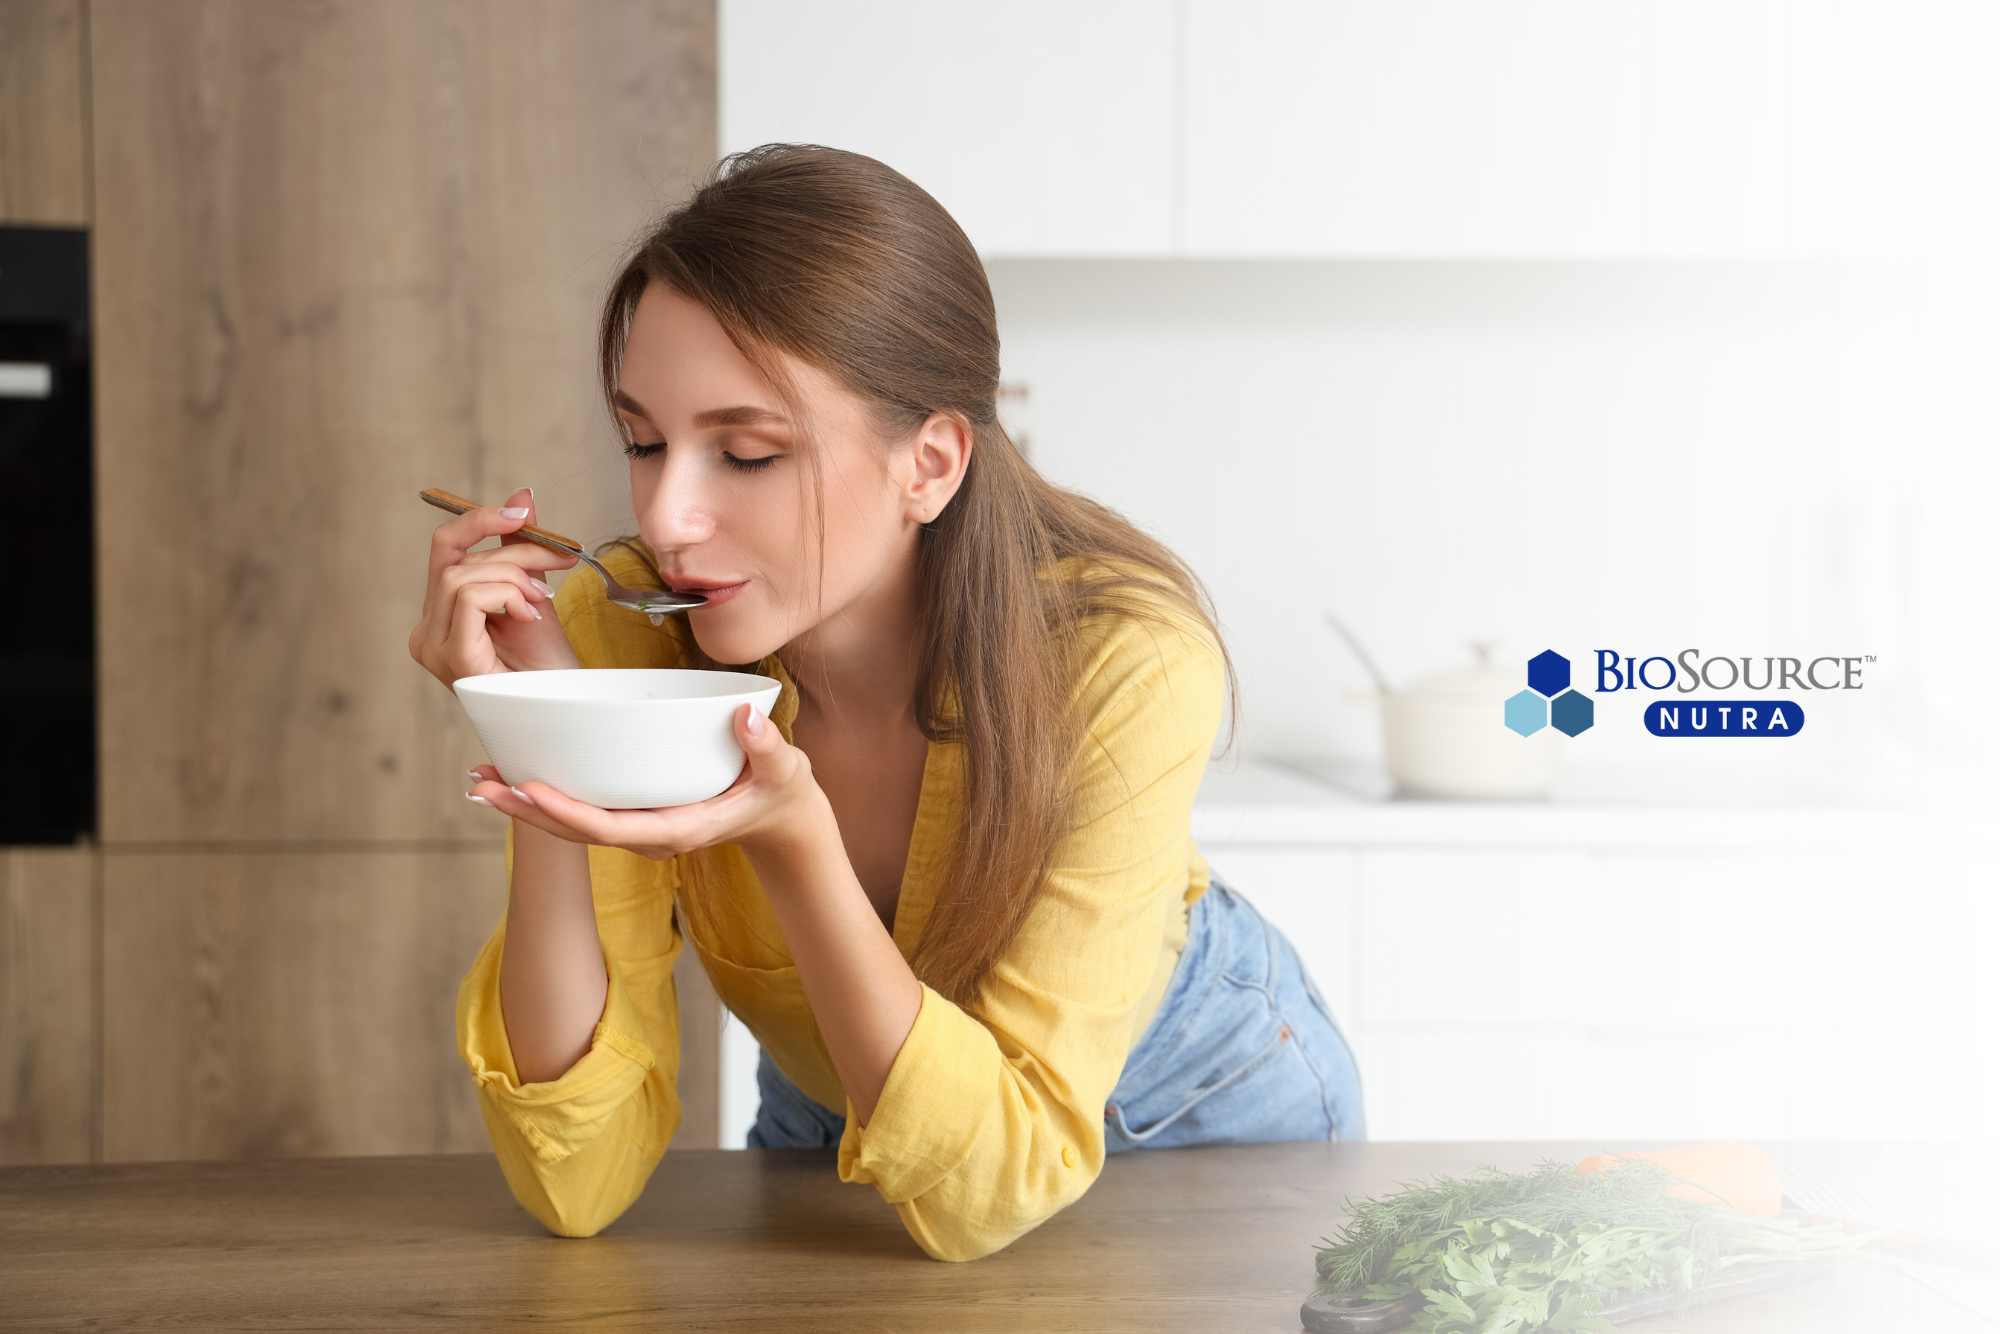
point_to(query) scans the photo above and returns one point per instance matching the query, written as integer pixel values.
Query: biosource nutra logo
(1550, 702)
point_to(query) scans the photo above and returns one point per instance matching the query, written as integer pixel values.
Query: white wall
(1768, 459)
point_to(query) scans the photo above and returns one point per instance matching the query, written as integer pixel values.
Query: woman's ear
(941, 452)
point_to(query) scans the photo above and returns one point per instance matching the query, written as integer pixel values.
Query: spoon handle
(445, 500)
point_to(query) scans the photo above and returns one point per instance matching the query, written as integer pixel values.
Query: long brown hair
(843, 263)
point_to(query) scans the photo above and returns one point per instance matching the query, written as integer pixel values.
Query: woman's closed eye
(636, 449)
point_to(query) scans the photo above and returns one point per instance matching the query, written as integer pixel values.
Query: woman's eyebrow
(742, 415)
(746, 415)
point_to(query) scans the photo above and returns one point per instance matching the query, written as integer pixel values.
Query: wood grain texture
(43, 155)
(346, 249)
(48, 1004)
(700, 1082)
(261, 1006)
(1197, 1240)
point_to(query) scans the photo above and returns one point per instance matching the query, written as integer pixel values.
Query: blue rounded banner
(1725, 717)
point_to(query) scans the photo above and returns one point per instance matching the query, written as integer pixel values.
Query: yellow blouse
(992, 1116)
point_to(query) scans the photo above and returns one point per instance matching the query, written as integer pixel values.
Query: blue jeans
(1242, 1050)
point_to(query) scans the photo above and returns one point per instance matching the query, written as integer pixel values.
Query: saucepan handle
(1358, 1313)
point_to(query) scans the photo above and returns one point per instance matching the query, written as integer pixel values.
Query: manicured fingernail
(477, 801)
(756, 723)
(477, 777)
(538, 615)
(529, 489)
(542, 588)
(514, 512)
(522, 795)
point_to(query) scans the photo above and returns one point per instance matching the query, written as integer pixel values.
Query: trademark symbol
(1868, 657)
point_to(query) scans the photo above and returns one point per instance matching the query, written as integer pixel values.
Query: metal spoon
(656, 603)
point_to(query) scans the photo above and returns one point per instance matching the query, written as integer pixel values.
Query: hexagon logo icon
(1548, 673)
(1572, 712)
(1527, 713)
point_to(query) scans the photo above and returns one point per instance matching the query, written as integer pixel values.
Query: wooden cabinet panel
(42, 150)
(48, 1004)
(280, 1005)
(700, 1081)
(263, 1006)
(345, 250)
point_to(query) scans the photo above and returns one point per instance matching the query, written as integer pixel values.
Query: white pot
(1447, 736)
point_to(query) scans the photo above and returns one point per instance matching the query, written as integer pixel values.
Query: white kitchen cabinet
(1552, 128)
(1783, 127)
(1046, 128)
(1645, 994)
(1435, 128)
(1555, 128)
(1594, 974)
(1355, 129)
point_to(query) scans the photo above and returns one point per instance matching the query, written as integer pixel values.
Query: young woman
(953, 891)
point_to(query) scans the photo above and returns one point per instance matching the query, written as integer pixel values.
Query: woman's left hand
(769, 802)
(861, 990)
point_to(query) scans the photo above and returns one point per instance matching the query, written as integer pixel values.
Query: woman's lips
(717, 594)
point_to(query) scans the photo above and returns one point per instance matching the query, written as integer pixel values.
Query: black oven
(48, 636)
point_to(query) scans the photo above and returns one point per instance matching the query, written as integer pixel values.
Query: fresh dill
(1505, 1253)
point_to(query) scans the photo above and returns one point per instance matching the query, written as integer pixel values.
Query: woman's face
(723, 489)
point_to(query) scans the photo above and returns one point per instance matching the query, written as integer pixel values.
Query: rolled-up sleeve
(577, 1150)
(991, 1119)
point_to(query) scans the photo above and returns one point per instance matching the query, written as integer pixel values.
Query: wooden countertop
(1208, 1240)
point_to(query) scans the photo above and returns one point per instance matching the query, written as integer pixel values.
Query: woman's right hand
(484, 611)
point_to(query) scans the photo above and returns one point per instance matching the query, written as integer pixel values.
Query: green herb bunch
(1498, 1253)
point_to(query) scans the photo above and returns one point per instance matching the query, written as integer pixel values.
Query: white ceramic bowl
(619, 737)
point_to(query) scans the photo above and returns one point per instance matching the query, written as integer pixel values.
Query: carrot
(1736, 1176)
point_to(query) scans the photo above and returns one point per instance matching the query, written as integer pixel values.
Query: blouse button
(1069, 1155)
(1285, 1033)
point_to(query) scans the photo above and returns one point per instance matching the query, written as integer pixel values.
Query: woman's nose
(677, 510)
(685, 525)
